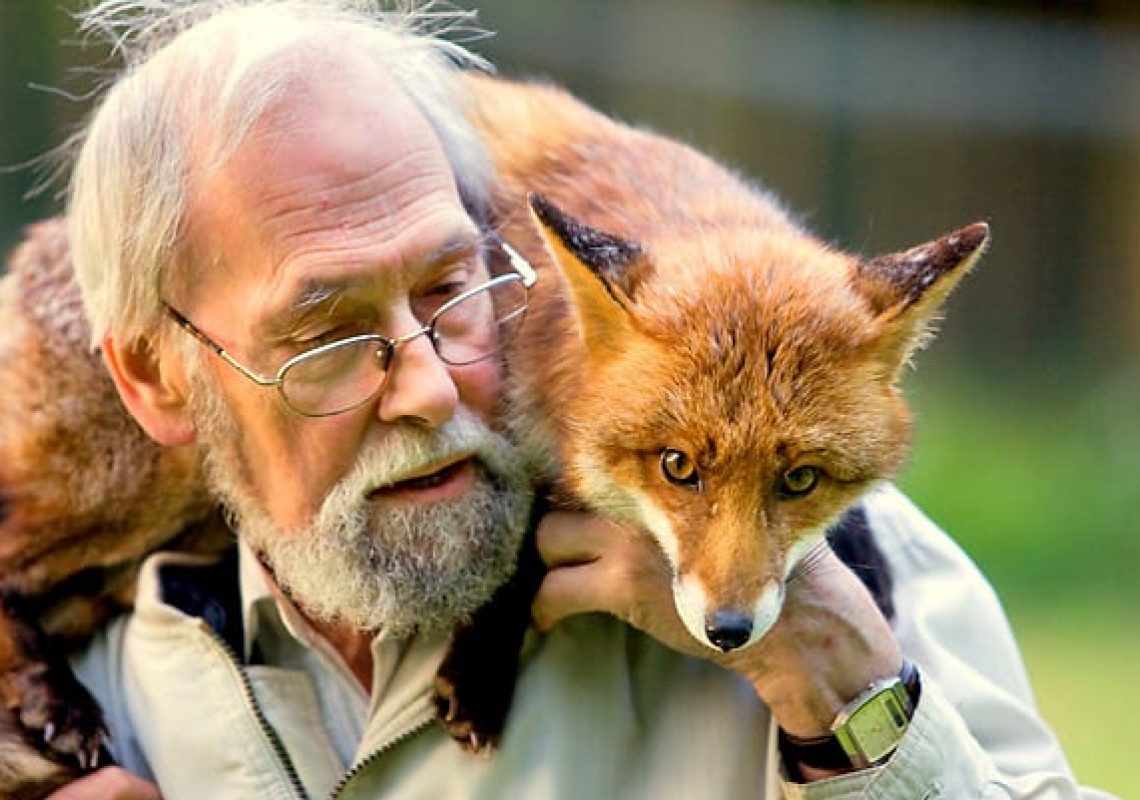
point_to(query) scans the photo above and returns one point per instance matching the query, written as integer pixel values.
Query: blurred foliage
(1114, 10)
(26, 54)
(1042, 493)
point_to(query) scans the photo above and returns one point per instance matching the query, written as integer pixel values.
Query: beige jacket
(601, 711)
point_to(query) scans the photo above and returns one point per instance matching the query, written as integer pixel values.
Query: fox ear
(602, 271)
(906, 290)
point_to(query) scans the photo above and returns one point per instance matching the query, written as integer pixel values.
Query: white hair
(198, 74)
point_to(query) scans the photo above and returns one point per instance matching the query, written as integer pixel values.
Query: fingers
(597, 565)
(567, 591)
(594, 564)
(570, 544)
(566, 537)
(635, 591)
(109, 783)
(830, 642)
(821, 577)
(819, 558)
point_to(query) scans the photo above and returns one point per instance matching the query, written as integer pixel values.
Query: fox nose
(728, 629)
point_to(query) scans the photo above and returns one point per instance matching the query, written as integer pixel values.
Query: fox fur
(85, 495)
(697, 363)
(693, 361)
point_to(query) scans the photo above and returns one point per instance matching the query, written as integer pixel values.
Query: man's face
(339, 215)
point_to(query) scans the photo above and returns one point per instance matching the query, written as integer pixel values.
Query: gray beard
(393, 567)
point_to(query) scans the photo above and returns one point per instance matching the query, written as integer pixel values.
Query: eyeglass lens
(345, 374)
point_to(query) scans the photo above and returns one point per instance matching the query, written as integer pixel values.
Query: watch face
(873, 730)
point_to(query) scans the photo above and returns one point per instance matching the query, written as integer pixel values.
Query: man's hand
(596, 564)
(829, 643)
(109, 783)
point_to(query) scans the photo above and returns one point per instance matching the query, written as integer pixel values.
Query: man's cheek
(295, 476)
(480, 388)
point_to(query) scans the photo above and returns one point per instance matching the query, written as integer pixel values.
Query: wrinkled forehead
(339, 182)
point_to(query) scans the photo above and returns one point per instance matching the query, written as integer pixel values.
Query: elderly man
(274, 194)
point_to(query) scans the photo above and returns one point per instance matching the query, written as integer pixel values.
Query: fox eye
(798, 482)
(679, 469)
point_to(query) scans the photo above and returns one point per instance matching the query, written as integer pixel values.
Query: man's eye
(310, 340)
(440, 292)
(447, 289)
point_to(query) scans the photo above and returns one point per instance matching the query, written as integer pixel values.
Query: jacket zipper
(365, 762)
(251, 700)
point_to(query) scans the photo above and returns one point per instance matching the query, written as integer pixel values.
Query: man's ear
(153, 389)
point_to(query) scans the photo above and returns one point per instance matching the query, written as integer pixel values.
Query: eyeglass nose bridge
(388, 353)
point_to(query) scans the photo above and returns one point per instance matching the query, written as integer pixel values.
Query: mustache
(409, 451)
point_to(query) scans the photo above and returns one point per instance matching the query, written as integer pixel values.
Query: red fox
(692, 361)
(702, 367)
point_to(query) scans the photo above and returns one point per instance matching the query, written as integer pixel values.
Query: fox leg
(476, 681)
(45, 702)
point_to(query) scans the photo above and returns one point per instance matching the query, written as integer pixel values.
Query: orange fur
(80, 484)
(733, 336)
(85, 496)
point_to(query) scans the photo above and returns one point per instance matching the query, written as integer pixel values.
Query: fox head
(738, 389)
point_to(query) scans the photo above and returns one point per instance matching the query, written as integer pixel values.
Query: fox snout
(726, 627)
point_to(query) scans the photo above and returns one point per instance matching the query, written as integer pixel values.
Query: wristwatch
(865, 732)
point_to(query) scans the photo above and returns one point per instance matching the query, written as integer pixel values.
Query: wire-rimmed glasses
(339, 376)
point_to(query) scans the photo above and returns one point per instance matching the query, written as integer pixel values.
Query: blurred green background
(884, 124)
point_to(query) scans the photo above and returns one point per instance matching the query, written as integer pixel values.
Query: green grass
(1082, 659)
(1042, 487)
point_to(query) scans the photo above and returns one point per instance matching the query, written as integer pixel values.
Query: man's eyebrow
(459, 245)
(321, 295)
(316, 297)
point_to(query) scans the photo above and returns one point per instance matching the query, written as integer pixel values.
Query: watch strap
(818, 752)
(825, 752)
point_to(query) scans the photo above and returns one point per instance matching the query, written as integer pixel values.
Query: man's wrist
(865, 733)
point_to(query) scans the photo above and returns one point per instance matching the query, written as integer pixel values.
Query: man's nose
(419, 388)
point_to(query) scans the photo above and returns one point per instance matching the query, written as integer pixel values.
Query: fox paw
(476, 681)
(472, 699)
(59, 716)
(475, 728)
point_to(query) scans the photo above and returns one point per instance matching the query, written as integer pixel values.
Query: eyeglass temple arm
(192, 329)
(520, 265)
(220, 351)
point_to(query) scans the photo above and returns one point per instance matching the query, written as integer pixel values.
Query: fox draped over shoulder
(80, 482)
(85, 496)
(693, 362)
